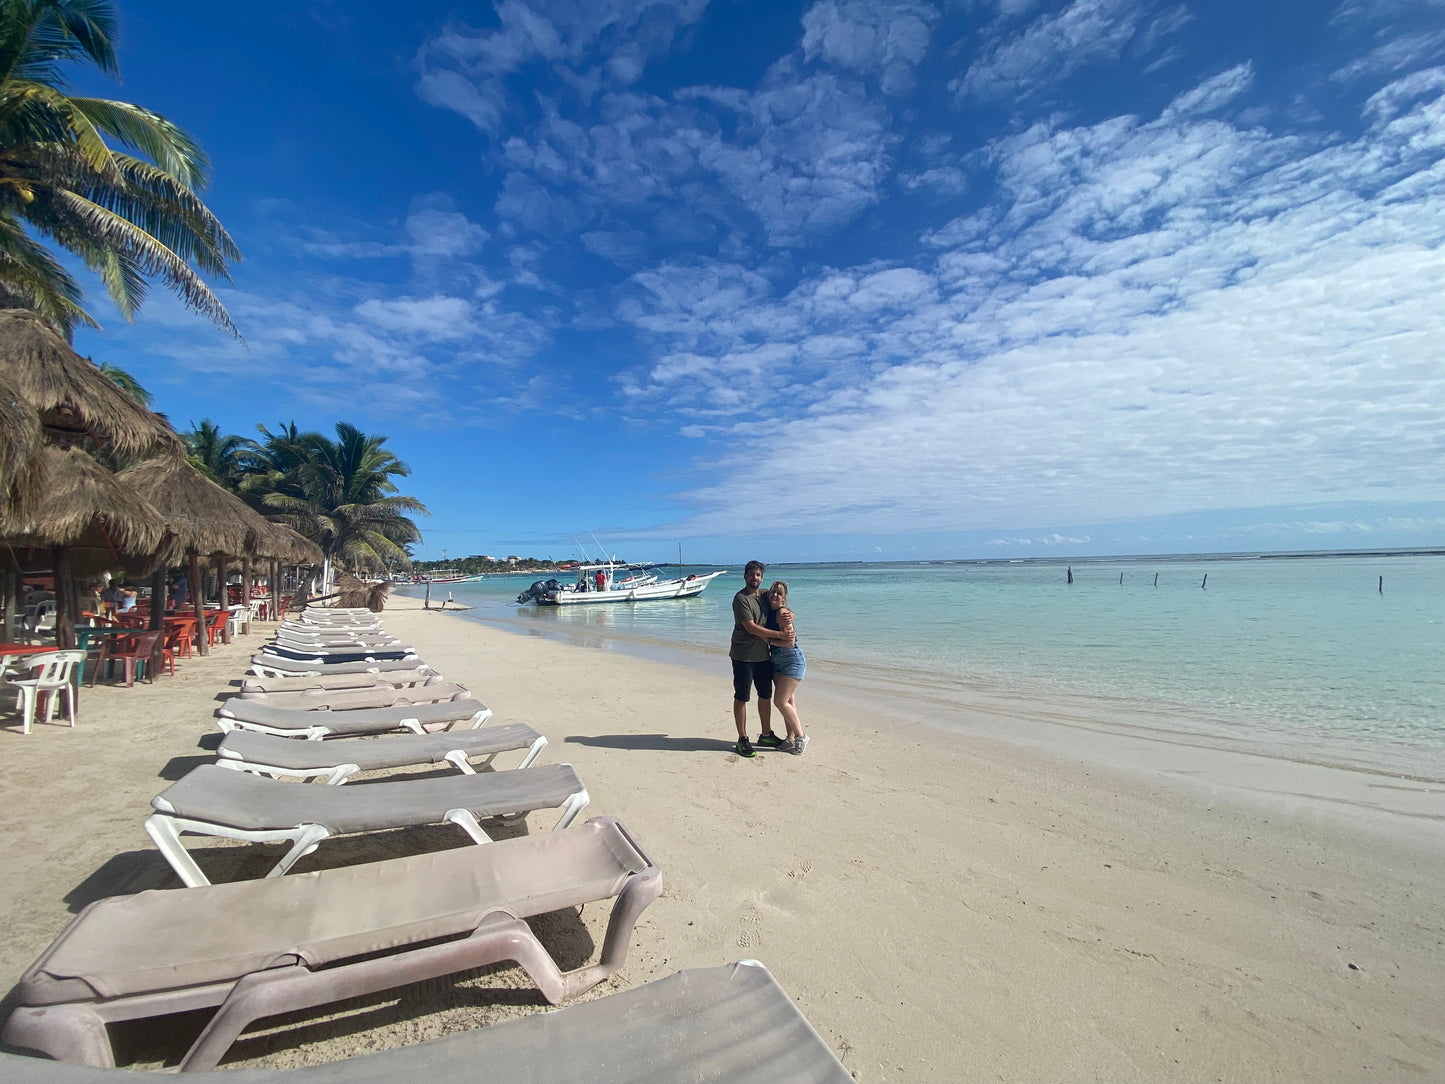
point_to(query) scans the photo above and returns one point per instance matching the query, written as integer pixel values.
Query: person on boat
(752, 662)
(789, 666)
(601, 580)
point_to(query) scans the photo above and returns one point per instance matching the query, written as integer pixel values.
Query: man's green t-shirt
(745, 646)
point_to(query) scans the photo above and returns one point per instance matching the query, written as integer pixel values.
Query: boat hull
(686, 588)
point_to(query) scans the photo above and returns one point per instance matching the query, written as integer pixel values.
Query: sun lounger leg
(73, 1033)
(468, 822)
(575, 804)
(268, 993)
(537, 747)
(307, 840)
(165, 833)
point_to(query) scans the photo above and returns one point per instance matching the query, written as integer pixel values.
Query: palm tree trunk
(64, 598)
(158, 599)
(9, 597)
(221, 595)
(246, 592)
(202, 640)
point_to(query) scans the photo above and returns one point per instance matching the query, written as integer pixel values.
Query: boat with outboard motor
(446, 575)
(612, 581)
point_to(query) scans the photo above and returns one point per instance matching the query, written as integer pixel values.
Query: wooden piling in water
(1071, 573)
(1204, 581)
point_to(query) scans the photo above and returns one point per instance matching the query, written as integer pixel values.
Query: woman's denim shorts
(788, 662)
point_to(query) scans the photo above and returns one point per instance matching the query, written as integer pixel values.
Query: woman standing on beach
(788, 668)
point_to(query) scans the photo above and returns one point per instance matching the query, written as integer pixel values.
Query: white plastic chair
(240, 615)
(53, 676)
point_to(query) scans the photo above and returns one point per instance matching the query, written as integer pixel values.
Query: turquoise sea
(1297, 656)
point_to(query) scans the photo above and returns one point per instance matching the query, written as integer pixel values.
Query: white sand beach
(942, 905)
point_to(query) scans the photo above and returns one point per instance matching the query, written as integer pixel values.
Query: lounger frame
(165, 828)
(76, 1031)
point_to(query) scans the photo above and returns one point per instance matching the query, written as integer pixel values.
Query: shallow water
(1302, 657)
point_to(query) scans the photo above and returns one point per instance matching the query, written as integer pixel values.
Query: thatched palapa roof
(288, 546)
(203, 517)
(101, 521)
(22, 468)
(70, 394)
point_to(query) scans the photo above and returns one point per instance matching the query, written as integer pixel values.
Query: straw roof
(202, 517)
(22, 469)
(289, 546)
(71, 395)
(103, 523)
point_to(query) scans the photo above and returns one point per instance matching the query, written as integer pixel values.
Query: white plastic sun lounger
(325, 936)
(238, 714)
(717, 1025)
(336, 637)
(359, 654)
(340, 760)
(266, 665)
(375, 696)
(213, 801)
(398, 678)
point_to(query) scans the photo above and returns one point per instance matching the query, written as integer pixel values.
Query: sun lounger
(267, 665)
(238, 714)
(333, 637)
(339, 760)
(259, 948)
(370, 679)
(367, 679)
(717, 1025)
(378, 696)
(210, 800)
(345, 655)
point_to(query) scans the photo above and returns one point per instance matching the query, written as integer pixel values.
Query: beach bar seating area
(292, 942)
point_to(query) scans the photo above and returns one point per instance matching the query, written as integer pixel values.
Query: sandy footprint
(751, 933)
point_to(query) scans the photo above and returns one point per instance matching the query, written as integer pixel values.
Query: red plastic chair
(139, 653)
(216, 626)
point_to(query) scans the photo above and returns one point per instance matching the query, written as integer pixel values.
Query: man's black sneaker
(745, 748)
(770, 741)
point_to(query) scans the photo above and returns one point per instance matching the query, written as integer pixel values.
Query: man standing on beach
(752, 666)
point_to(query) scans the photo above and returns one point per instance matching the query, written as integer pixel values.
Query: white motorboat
(609, 581)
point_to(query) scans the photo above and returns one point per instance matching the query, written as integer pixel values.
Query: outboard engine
(538, 589)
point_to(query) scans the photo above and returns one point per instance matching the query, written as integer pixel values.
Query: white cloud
(429, 317)
(1214, 93)
(1053, 47)
(870, 36)
(1154, 317)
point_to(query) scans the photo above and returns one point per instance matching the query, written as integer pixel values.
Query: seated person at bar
(180, 592)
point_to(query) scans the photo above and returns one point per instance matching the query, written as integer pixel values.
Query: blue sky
(829, 281)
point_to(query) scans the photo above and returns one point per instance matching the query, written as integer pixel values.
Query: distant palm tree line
(338, 493)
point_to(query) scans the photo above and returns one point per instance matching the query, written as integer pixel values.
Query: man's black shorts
(759, 675)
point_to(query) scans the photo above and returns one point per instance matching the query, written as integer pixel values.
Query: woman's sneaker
(785, 746)
(798, 745)
(745, 748)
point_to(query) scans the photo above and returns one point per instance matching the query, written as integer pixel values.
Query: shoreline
(1141, 739)
(940, 905)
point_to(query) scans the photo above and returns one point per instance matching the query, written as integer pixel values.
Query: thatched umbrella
(203, 518)
(72, 401)
(282, 545)
(22, 469)
(70, 394)
(86, 522)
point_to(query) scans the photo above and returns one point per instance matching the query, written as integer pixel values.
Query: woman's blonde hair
(777, 584)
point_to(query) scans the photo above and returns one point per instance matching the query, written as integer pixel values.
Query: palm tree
(127, 383)
(221, 457)
(340, 494)
(128, 218)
